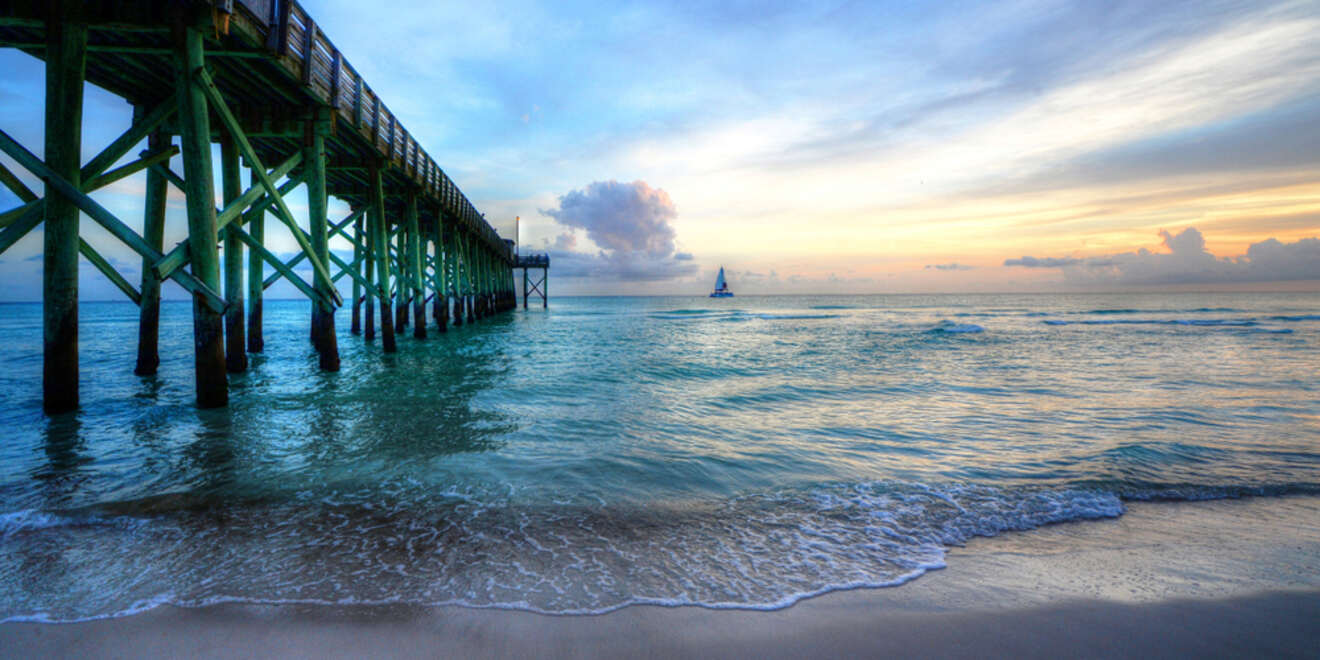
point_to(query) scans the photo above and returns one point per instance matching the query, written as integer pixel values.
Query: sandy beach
(1232, 578)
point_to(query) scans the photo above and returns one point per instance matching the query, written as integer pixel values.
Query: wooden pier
(262, 80)
(535, 285)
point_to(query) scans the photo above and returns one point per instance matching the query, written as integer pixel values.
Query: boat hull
(721, 294)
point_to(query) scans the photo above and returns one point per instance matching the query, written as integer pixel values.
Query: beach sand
(1230, 578)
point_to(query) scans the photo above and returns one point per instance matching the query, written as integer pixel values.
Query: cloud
(1186, 261)
(566, 241)
(630, 222)
(949, 266)
(620, 216)
(1047, 262)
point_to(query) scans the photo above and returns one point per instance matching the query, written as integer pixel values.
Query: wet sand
(1237, 578)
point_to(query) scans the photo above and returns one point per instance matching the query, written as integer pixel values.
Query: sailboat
(721, 288)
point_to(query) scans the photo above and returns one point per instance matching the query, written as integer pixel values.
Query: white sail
(719, 280)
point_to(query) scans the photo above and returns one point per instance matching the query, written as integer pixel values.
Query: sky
(845, 147)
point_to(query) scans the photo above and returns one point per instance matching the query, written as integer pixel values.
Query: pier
(260, 78)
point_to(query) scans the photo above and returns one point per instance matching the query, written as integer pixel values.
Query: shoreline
(1214, 578)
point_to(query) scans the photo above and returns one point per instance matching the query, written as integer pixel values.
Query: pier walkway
(261, 79)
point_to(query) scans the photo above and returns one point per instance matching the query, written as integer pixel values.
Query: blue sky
(844, 147)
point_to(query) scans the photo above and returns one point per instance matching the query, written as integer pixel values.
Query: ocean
(745, 452)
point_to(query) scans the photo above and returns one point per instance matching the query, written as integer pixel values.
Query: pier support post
(153, 232)
(415, 268)
(455, 274)
(402, 278)
(66, 65)
(369, 265)
(356, 327)
(256, 223)
(441, 282)
(323, 311)
(468, 263)
(381, 251)
(235, 340)
(195, 139)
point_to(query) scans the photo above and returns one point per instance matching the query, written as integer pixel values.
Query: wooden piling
(323, 311)
(356, 327)
(235, 338)
(382, 254)
(153, 232)
(402, 276)
(441, 282)
(455, 274)
(256, 224)
(415, 267)
(369, 264)
(195, 139)
(66, 64)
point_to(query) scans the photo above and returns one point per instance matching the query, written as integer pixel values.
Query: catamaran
(721, 288)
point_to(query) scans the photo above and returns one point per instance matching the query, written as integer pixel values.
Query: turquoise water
(742, 452)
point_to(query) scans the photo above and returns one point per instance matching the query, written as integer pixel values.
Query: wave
(759, 551)
(1212, 323)
(957, 328)
(1193, 310)
(782, 317)
(30, 520)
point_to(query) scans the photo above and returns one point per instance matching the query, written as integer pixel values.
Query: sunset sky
(838, 147)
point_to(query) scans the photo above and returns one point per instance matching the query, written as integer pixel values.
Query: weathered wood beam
(381, 251)
(153, 232)
(235, 322)
(358, 254)
(297, 258)
(415, 268)
(256, 223)
(96, 182)
(179, 257)
(212, 93)
(203, 230)
(351, 270)
(66, 65)
(404, 278)
(146, 160)
(128, 139)
(98, 213)
(275, 263)
(109, 271)
(323, 312)
(15, 186)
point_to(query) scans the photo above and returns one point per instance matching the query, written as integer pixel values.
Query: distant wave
(1194, 310)
(957, 328)
(1235, 323)
(774, 317)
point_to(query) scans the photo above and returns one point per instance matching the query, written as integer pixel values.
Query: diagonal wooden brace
(275, 263)
(36, 205)
(109, 271)
(217, 103)
(303, 255)
(104, 218)
(178, 256)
